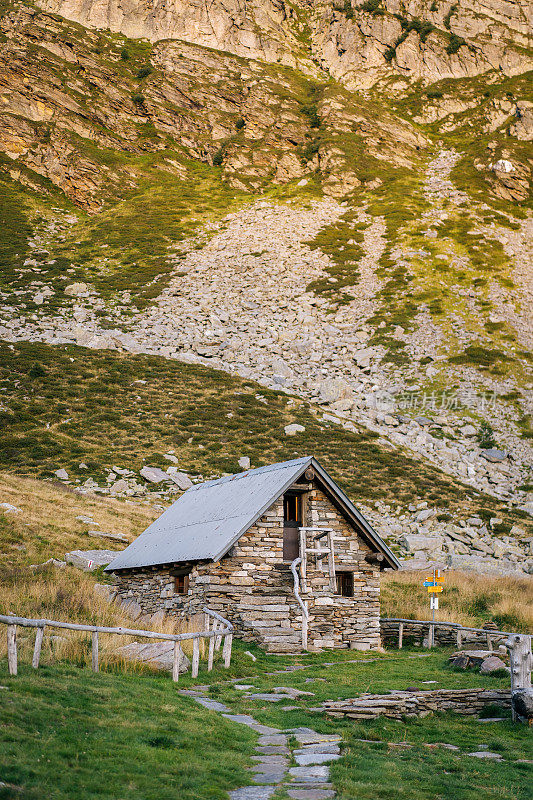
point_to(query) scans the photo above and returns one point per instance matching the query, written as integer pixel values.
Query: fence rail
(432, 626)
(217, 628)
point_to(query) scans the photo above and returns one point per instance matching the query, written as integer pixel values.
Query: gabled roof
(207, 520)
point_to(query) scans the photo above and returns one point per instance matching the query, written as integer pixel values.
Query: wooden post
(303, 556)
(195, 656)
(37, 649)
(400, 635)
(431, 635)
(12, 649)
(521, 659)
(218, 639)
(211, 653)
(95, 651)
(176, 662)
(331, 563)
(304, 627)
(226, 652)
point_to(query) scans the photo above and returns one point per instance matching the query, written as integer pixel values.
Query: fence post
(12, 649)
(95, 651)
(195, 656)
(400, 635)
(431, 635)
(218, 639)
(226, 653)
(211, 653)
(176, 662)
(37, 648)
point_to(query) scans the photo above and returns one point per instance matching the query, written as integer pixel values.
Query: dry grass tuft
(467, 598)
(47, 526)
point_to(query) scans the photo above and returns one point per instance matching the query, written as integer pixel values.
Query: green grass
(89, 406)
(341, 242)
(380, 769)
(67, 733)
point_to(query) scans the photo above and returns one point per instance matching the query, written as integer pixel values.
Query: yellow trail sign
(432, 589)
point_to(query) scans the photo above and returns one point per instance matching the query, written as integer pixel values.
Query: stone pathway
(308, 780)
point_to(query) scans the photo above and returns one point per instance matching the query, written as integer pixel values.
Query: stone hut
(280, 550)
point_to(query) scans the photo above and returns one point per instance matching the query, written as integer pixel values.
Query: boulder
(104, 590)
(244, 462)
(154, 474)
(333, 389)
(131, 608)
(89, 560)
(491, 664)
(116, 537)
(76, 289)
(181, 479)
(62, 474)
(413, 542)
(494, 455)
(293, 429)
(158, 618)
(158, 655)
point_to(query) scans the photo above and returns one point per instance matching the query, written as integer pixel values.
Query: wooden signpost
(434, 584)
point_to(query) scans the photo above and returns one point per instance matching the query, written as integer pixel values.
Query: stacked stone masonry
(398, 705)
(253, 586)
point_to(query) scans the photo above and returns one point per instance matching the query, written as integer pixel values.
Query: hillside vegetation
(66, 406)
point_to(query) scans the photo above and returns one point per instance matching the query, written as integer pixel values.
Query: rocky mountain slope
(333, 200)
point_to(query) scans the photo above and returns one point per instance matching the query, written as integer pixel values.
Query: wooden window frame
(181, 580)
(344, 580)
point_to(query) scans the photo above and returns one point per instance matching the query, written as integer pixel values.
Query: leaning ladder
(319, 551)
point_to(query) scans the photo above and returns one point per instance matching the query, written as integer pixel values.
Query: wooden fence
(419, 625)
(217, 629)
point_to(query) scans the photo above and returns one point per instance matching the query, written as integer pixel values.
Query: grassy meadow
(67, 732)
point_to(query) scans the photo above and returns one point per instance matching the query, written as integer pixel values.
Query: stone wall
(417, 633)
(398, 705)
(253, 586)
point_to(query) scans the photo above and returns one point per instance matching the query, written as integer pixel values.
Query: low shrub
(455, 43)
(143, 72)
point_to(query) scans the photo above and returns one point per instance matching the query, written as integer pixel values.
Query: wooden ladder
(318, 551)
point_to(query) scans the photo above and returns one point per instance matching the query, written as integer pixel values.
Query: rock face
(260, 29)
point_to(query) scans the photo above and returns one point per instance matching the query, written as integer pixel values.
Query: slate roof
(210, 517)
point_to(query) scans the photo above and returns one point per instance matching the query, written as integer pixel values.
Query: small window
(292, 509)
(181, 584)
(292, 519)
(344, 583)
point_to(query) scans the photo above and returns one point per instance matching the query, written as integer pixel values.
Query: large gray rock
(159, 655)
(154, 474)
(414, 542)
(484, 564)
(89, 560)
(494, 455)
(181, 479)
(491, 664)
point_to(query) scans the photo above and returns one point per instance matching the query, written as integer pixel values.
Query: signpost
(434, 584)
